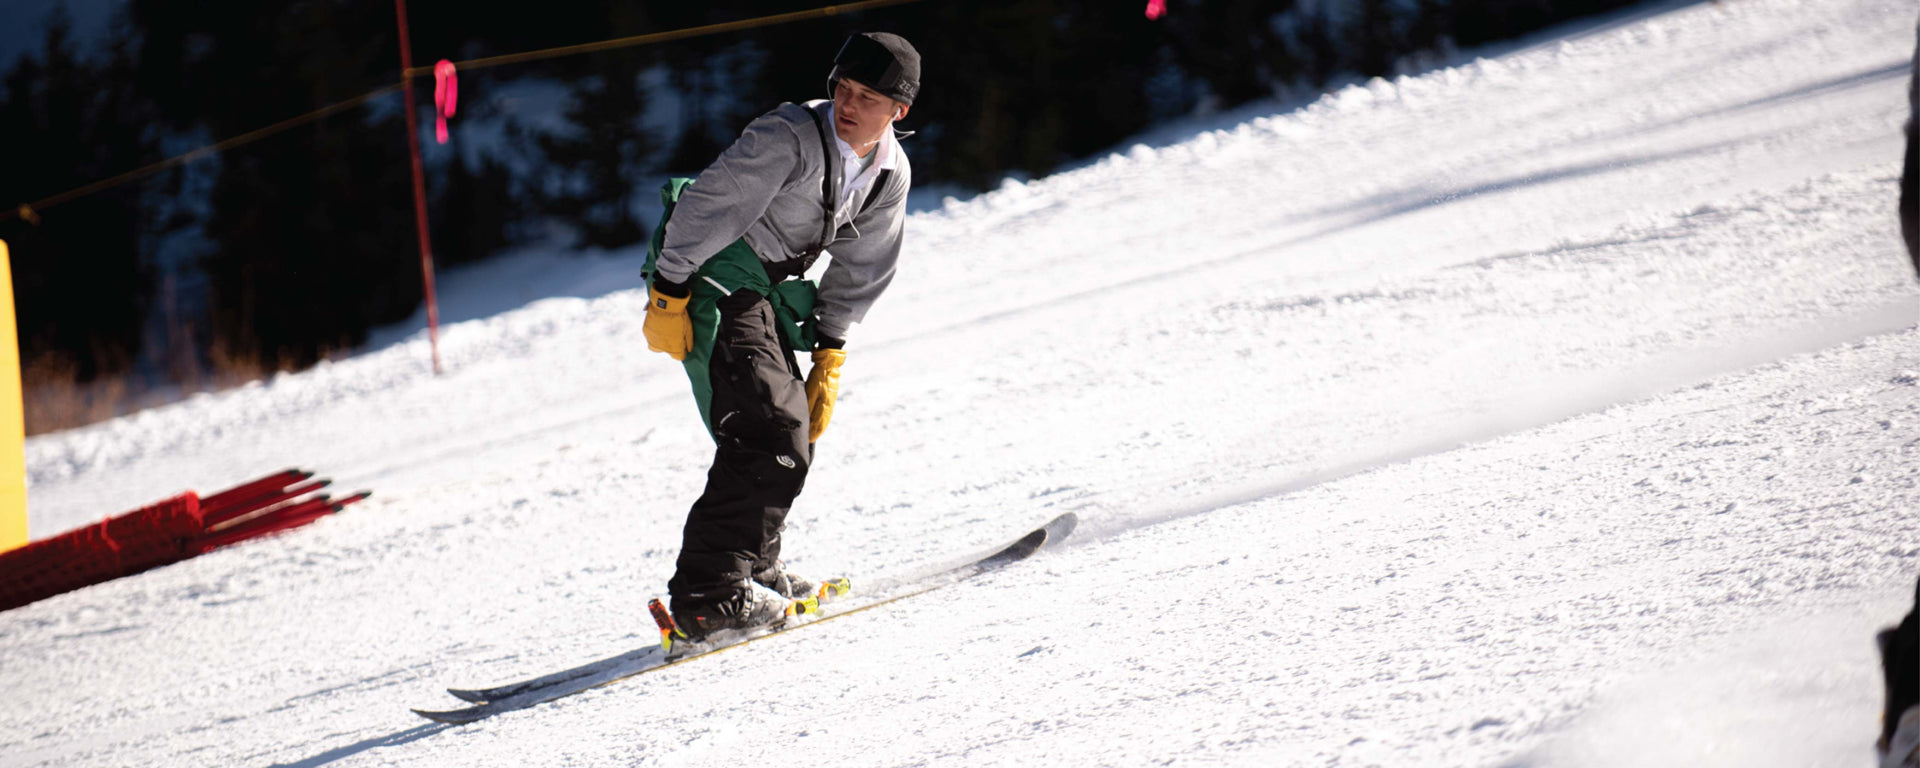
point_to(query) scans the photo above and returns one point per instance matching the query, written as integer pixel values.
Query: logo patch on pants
(786, 461)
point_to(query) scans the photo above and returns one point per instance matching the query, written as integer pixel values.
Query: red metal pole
(220, 517)
(252, 488)
(419, 187)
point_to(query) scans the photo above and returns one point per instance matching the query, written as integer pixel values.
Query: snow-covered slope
(1554, 409)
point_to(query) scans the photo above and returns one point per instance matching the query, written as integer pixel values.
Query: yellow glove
(668, 329)
(823, 385)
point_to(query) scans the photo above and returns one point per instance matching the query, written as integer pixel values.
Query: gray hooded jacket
(766, 189)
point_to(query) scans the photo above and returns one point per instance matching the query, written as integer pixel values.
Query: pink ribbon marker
(445, 89)
(1156, 9)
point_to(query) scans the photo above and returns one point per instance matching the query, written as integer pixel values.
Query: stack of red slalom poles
(166, 532)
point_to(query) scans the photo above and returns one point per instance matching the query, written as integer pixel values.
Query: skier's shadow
(407, 736)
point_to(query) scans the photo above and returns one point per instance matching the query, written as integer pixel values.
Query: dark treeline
(297, 245)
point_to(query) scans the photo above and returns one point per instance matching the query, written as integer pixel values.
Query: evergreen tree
(1231, 44)
(81, 283)
(312, 229)
(600, 164)
(473, 211)
(1377, 45)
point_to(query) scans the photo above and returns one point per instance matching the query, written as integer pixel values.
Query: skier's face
(861, 115)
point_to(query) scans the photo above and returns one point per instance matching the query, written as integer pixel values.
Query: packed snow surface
(1558, 407)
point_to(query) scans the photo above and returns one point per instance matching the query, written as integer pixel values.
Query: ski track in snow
(1554, 409)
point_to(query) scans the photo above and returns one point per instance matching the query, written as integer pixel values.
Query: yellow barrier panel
(13, 422)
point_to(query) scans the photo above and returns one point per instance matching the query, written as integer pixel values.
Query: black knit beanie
(883, 61)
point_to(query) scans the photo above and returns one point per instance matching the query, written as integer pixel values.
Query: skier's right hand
(823, 387)
(667, 328)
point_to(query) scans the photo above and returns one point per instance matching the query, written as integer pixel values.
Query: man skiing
(727, 296)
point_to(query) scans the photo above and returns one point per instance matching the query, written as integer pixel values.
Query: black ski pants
(759, 415)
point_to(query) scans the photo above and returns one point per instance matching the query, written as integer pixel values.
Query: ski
(611, 663)
(830, 590)
(539, 690)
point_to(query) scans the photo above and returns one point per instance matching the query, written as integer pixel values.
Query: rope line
(30, 211)
(661, 37)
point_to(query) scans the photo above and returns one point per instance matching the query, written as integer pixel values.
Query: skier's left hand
(667, 327)
(823, 385)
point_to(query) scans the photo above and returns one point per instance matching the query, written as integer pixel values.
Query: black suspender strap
(878, 184)
(826, 190)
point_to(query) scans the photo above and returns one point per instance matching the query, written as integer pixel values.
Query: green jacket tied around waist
(735, 268)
